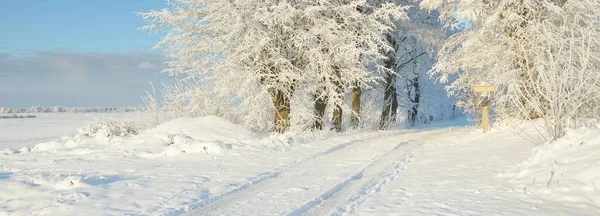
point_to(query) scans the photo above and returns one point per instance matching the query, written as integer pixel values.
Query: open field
(26, 132)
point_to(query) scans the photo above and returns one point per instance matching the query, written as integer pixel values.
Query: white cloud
(147, 65)
(78, 78)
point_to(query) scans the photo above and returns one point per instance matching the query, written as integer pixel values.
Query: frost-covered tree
(414, 41)
(254, 52)
(414, 61)
(541, 55)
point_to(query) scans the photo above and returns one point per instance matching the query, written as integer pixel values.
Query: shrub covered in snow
(110, 128)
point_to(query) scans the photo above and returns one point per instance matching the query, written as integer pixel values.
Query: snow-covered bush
(111, 128)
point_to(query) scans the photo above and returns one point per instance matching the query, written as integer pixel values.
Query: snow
(210, 166)
(16, 133)
(460, 174)
(566, 170)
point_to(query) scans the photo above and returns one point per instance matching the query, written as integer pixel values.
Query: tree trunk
(355, 117)
(337, 118)
(319, 111)
(558, 131)
(415, 101)
(390, 100)
(390, 96)
(281, 101)
(337, 110)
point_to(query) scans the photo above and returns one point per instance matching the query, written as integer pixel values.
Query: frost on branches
(409, 89)
(541, 55)
(256, 56)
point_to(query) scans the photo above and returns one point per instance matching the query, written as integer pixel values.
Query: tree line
(312, 65)
(63, 109)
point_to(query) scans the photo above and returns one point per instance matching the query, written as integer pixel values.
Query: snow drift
(567, 169)
(187, 135)
(200, 135)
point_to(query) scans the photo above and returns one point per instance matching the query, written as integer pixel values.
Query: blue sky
(76, 53)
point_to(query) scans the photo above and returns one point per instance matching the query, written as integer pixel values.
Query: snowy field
(17, 133)
(209, 166)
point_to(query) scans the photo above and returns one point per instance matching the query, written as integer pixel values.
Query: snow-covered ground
(209, 166)
(16, 133)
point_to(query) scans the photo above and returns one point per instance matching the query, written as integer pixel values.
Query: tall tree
(390, 98)
(253, 51)
(412, 39)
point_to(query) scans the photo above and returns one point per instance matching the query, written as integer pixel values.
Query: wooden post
(484, 91)
(485, 122)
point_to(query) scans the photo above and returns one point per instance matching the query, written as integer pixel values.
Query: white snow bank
(205, 129)
(209, 135)
(67, 142)
(178, 144)
(567, 170)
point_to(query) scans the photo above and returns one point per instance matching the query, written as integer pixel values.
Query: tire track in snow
(292, 189)
(370, 189)
(355, 190)
(259, 182)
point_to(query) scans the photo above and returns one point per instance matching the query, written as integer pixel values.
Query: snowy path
(318, 184)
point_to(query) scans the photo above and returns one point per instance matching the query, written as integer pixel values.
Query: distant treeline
(17, 116)
(62, 109)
